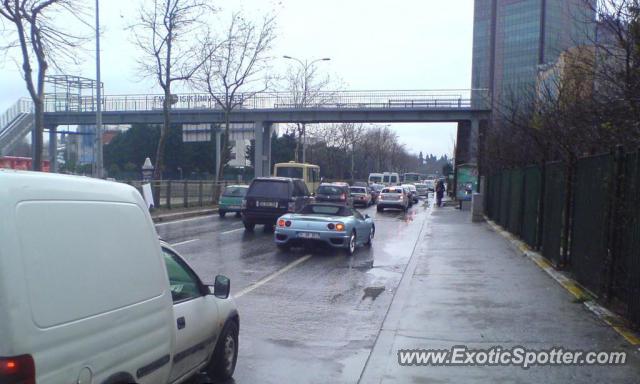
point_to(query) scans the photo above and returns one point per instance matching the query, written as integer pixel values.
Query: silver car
(393, 197)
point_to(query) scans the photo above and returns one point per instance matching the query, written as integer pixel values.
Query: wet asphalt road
(317, 321)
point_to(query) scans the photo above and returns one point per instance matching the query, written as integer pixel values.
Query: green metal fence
(591, 200)
(589, 213)
(553, 213)
(532, 188)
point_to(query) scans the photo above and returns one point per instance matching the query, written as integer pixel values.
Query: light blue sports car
(336, 225)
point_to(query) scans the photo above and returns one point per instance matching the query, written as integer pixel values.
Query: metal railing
(171, 194)
(406, 99)
(23, 105)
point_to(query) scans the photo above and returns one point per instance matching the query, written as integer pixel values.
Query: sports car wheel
(372, 233)
(352, 244)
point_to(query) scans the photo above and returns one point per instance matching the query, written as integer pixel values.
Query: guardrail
(436, 99)
(172, 194)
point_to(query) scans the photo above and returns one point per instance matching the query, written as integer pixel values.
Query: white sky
(373, 45)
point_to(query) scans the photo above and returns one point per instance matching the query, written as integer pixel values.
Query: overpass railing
(405, 99)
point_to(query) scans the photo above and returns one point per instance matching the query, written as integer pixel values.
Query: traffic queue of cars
(299, 217)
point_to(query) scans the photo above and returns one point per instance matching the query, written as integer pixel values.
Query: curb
(183, 215)
(616, 322)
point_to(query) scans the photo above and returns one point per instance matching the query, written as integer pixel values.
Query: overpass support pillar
(218, 148)
(53, 149)
(262, 155)
(474, 139)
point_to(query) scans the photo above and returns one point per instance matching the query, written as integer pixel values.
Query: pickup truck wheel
(222, 213)
(224, 357)
(249, 226)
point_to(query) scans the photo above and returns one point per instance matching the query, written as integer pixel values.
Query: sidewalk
(467, 285)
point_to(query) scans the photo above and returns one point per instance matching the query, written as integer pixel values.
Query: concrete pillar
(218, 147)
(474, 137)
(258, 156)
(266, 142)
(53, 149)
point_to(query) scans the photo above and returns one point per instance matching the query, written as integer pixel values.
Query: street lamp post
(305, 66)
(98, 142)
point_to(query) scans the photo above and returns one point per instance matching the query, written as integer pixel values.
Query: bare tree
(349, 135)
(42, 44)
(166, 34)
(307, 88)
(236, 63)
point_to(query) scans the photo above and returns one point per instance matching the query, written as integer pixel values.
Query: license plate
(267, 204)
(308, 235)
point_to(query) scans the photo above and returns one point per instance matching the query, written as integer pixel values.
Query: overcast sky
(373, 45)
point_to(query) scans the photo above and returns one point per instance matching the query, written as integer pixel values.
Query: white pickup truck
(88, 294)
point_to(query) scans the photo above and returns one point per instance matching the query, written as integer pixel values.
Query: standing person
(439, 192)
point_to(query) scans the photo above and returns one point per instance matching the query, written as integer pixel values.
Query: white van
(390, 178)
(88, 294)
(375, 178)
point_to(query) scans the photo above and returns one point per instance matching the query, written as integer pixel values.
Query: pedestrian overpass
(259, 110)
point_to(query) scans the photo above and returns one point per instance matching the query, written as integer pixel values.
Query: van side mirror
(222, 287)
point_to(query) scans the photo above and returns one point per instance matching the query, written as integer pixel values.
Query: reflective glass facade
(512, 37)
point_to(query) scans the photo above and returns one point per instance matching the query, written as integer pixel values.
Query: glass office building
(512, 37)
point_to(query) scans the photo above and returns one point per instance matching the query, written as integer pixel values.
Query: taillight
(281, 223)
(288, 223)
(331, 226)
(339, 227)
(243, 205)
(19, 369)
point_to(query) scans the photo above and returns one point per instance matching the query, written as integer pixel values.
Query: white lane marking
(184, 242)
(272, 276)
(231, 231)
(184, 220)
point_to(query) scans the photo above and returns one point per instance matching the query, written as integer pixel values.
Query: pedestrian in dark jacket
(439, 192)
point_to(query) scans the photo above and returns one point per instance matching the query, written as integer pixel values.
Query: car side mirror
(222, 287)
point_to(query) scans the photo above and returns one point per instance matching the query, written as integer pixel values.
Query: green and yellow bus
(309, 173)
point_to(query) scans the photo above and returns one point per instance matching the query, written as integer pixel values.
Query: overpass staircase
(15, 124)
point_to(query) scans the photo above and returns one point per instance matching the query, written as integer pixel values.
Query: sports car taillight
(281, 223)
(339, 227)
(287, 223)
(331, 226)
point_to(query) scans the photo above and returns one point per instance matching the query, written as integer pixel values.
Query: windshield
(269, 188)
(392, 190)
(358, 190)
(330, 190)
(375, 179)
(235, 191)
(328, 210)
(294, 172)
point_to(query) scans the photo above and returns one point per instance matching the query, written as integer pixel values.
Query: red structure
(20, 163)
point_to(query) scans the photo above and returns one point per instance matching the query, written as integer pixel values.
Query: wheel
(379, 209)
(222, 213)
(238, 214)
(249, 226)
(351, 248)
(372, 233)
(224, 357)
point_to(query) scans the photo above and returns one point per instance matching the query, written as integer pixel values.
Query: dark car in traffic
(338, 193)
(271, 197)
